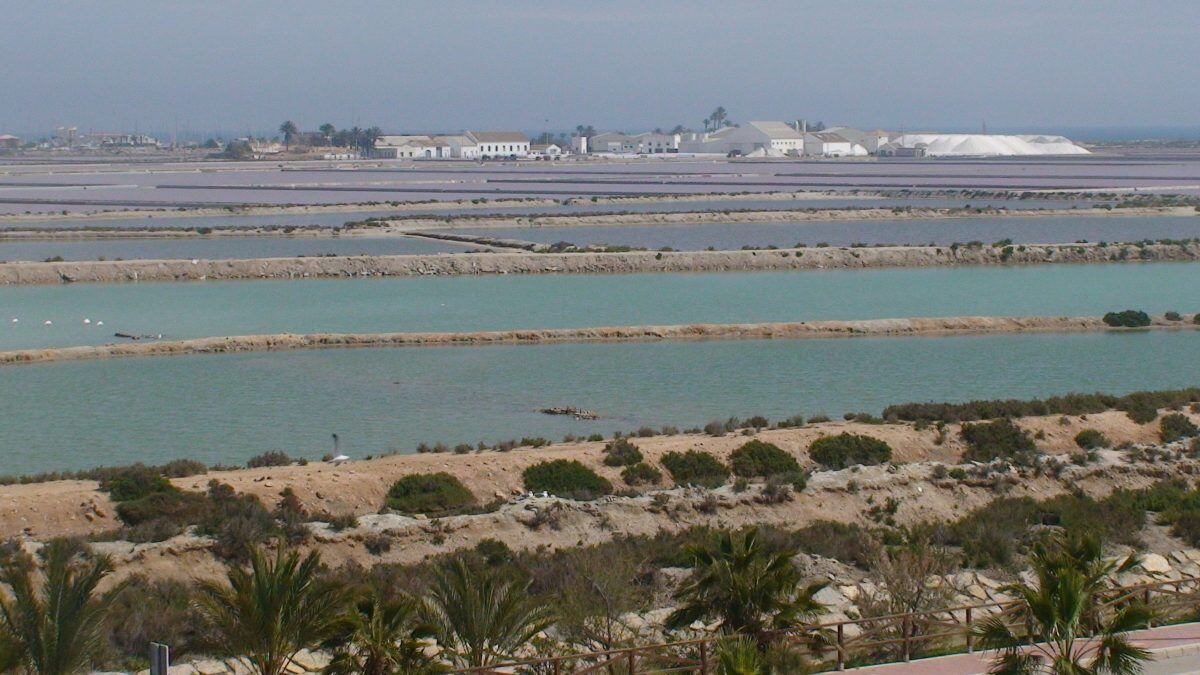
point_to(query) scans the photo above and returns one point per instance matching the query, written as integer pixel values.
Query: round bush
(621, 453)
(695, 467)
(1090, 439)
(999, 439)
(1130, 318)
(760, 459)
(429, 493)
(134, 483)
(642, 473)
(1176, 426)
(843, 450)
(566, 478)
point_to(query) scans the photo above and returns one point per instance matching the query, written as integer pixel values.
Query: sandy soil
(274, 210)
(111, 271)
(401, 226)
(906, 327)
(43, 510)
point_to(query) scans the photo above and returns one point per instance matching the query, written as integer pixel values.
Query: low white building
(546, 150)
(500, 143)
(831, 144)
(773, 139)
(869, 140)
(411, 147)
(612, 142)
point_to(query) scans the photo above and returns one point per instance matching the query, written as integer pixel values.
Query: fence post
(970, 633)
(160, 658)
(841, 646)
(904, 627)
(703, 658)
(557, 666)
(1146, 599)
(632, 662)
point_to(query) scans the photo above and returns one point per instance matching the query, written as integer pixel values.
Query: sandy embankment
(302, 209)
(931, 326)
(60, 508)
(401, 226)
(111, 271)
(733, 217)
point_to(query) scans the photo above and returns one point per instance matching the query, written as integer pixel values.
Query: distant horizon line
(1082, 132)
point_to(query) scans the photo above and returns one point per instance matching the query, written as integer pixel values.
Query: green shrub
(1090, 439)
(641, 473)
(849, 543)
(566, 478)
(429, 493)
(757, 458)
(695, 467)
(135, 482)
(269, 459)
(1130, 318)
(1173, 316)
(172, 506)
(1135, 403)
(1000, 439)
(1176, 426)
(621, 452)
(843, 450)
(236, 522)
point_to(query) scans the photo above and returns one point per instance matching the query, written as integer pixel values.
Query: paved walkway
(1175, 648)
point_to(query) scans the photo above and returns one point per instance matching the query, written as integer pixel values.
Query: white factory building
(769, 139)
(649, 143)
(467, 145)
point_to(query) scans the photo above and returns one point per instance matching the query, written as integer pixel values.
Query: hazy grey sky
(415, 65)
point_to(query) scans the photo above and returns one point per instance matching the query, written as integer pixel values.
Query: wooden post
(841, 647)
(970, 633)
(632, 662)
(703, 658)
(1146, 599)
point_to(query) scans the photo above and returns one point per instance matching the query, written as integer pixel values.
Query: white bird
(15, 319)
(99, 323)
(47, 322)
(87, 320)
(339, 459)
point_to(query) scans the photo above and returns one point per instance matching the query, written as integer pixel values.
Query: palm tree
(289, 131)
(382, 637)
(327, 131)
(480, 616)
(1071, 632)
(744, 585)
(54, 630)
(740, 656)
(273, 610)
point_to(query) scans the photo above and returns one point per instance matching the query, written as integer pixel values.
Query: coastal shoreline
(903, 327)
(456, 264)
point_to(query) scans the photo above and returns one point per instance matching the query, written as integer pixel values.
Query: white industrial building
(411, 147)
(831, 144)
(649, 143)
(771, 139)
(496, 144)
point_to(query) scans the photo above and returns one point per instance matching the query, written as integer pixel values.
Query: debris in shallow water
(577, 413)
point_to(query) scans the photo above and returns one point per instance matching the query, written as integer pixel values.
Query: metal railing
(837, 644)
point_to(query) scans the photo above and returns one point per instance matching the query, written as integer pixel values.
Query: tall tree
(273, 610)
(1072, 634)
(745, 586)
(481, 616)
(327, 131)
(289, 131)
(382, 636)
(57, 629)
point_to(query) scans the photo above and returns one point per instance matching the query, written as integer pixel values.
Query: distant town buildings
(467, 145)
(9, 142)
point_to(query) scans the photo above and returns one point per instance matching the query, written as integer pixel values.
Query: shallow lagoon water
(195, 309)
(227, 408)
